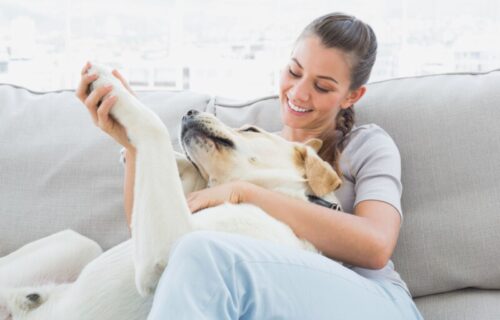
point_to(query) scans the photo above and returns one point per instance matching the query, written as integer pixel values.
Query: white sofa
(58, 171)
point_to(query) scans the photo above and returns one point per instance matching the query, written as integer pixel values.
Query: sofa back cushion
(447, 130)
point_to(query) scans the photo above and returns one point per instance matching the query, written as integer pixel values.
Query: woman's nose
(300, 91)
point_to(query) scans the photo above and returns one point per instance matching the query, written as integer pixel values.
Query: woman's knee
(201, 246)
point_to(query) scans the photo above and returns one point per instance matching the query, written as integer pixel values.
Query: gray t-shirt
(371, 168)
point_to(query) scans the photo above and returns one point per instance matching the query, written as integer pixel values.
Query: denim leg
(214, 275)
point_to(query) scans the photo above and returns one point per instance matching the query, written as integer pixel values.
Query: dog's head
(224, 154)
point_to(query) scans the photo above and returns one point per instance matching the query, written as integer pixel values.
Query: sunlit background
(234, 48)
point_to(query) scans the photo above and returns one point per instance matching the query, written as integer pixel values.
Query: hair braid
(334, 140)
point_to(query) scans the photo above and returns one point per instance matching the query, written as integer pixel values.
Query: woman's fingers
(83, 86)
(103, 118)
(99, 103)
(82, 91)
(85, 80)
(109, 125)
(92, 101)
(86, 68)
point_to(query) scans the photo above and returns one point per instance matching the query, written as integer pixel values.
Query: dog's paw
(140, 122)
(15, 302)
(30, 301)
(147, 277)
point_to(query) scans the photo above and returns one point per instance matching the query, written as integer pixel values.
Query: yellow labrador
(118, 283)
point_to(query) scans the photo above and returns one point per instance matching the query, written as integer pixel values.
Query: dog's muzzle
(193, 125)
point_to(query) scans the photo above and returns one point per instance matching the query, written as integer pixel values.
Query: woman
(220, 276)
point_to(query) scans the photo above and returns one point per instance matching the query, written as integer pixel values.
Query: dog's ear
(320, 175)
(314, 143)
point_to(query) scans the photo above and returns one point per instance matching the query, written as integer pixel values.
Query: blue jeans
(213, 275)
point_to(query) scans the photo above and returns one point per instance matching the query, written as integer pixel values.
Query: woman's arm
(128, 184)
(366, 238)
(101, 118)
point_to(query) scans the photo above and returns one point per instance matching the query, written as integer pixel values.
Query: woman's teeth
(298, 109)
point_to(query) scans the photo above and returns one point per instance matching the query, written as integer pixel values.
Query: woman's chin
(293, 118)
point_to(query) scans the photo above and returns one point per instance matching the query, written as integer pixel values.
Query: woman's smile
(298, 110)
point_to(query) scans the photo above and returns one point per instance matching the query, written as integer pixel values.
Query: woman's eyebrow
(321, 77)
(328, 78)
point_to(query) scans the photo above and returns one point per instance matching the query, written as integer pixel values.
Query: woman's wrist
(247, 191)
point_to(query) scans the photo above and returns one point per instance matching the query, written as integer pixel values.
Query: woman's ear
(353, 96)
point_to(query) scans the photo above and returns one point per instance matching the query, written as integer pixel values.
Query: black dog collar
(323, 202)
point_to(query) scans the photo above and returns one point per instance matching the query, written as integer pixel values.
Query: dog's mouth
(205, 142)
(195, 132)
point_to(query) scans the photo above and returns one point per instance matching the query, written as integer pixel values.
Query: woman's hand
(100, 112)
(232, 192)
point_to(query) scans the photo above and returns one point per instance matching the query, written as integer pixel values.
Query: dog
(75, 280)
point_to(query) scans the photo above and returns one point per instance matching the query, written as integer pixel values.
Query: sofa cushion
(263, 112)
(58, 171)
(446, 127)
(461, 305)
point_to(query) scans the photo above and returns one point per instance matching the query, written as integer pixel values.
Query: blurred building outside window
(234, 48)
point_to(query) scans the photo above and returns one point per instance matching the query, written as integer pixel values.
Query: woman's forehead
(311, 55)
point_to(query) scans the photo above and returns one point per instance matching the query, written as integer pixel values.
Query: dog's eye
(250, 129)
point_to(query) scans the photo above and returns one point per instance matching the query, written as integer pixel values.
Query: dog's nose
(190, 114)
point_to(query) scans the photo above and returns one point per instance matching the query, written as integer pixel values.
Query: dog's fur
(73, 280)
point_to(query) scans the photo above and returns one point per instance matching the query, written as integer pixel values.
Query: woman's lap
(224, 276)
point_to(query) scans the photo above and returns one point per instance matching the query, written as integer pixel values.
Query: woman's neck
(301, 135)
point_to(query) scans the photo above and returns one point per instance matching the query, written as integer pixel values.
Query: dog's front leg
(160, 214)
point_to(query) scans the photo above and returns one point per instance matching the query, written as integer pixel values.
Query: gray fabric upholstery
(58, 171)
(467, 304)
(446, 128)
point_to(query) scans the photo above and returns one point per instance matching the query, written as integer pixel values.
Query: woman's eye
(295, 75)
(320, 89)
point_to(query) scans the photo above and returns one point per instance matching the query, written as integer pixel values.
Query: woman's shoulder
(368, 138)
(368, 130)
(365, 132)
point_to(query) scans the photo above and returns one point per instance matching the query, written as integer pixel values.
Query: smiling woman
(329, 66)
(178, 45)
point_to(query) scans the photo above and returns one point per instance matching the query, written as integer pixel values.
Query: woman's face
(314, 86)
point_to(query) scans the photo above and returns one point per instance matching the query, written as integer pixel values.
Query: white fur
(105, 288)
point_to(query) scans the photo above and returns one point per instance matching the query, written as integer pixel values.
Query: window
(234, 48)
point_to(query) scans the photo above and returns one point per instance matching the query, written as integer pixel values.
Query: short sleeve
(373, 165)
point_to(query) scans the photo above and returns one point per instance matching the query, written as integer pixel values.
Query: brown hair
(357, 40)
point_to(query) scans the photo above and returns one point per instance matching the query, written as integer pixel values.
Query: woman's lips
(296, 110)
